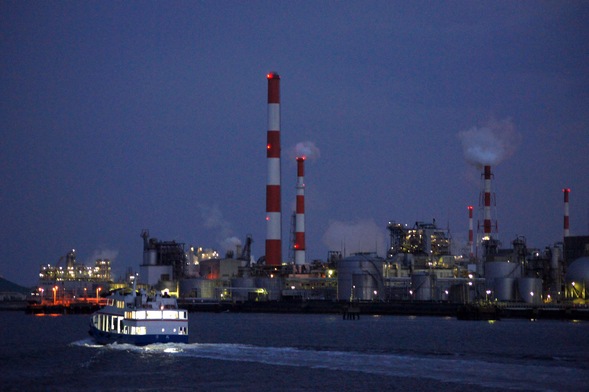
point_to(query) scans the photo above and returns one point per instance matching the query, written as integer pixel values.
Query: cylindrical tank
(530, 290)
(150, 257)
(422, 286)
(365, 287)
(241, 287)
(502, 269)
(358, 264)
(273, 287)
(502, 289)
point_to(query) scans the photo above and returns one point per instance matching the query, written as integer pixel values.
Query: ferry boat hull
(102, 337)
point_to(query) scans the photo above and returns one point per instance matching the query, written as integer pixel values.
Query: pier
(65, 307)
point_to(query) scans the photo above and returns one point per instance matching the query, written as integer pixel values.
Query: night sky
(123, 116)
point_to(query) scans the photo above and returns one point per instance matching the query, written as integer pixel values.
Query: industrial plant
(420, 267)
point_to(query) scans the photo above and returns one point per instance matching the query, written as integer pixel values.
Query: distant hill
(7, 286)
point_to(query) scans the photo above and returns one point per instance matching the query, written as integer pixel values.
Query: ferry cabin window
(138, 330)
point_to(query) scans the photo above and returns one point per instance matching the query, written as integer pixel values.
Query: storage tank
(502, 269)
(365, 287)
(367, 267)
(273, 287)
(530, 290)
(150, 257)
(422, 284)
(500, 277)
(502, 289)
(240, 287)
(577, 279)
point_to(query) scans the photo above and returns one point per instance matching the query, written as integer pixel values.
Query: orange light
(268, 146)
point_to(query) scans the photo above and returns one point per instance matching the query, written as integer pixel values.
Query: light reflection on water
(507, 354)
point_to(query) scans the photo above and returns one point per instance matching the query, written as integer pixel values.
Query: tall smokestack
(566, 212)
(273, 200)
(470, 232)
(487, 202)
(299, 245)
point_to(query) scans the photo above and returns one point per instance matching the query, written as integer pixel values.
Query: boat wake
(445, 369)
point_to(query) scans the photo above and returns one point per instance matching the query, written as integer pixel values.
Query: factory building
(163, 263)
(69, 279)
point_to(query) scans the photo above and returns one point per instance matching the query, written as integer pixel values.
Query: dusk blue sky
(123, 116)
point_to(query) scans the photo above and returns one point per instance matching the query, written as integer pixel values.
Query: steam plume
(360, 236)
(490, 144)
(103, 254)
(213, 219)
(307, 149)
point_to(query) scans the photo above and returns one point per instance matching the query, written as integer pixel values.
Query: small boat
(136, 318)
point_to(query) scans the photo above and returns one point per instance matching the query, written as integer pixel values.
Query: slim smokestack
(470, 232)
(566, 212)
(299, 245)
(273, 200)
(487, 202)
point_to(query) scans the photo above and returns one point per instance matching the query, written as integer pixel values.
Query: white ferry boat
(136, 318)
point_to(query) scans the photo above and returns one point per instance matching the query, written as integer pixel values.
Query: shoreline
(349, 311)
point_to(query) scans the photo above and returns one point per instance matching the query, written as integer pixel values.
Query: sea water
(295, 352)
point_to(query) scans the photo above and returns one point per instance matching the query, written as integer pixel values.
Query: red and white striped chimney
(273, 200)
(299, 245)
(470, 231)
(566, 212)
(487, 205)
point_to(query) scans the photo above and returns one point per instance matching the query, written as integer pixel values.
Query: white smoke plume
(352, 237)
(491, 143)
(230, 244)
(102, 254)
(308, 150)
(213, 219)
